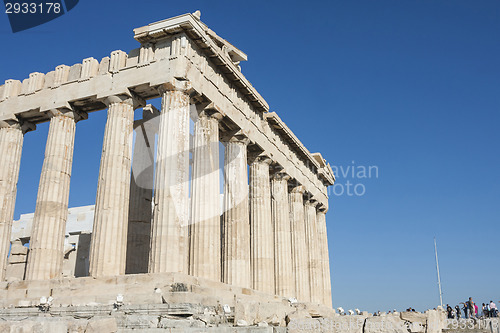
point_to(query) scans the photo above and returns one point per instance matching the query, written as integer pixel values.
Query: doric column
(236, 222)
(325, 259)
(169, 231)
(109, 235)
(11, 144)
(300, 257)
(285, 281)
(315, 272)
(141, 192)
(261, 227)
(51, 212)
(205, 241)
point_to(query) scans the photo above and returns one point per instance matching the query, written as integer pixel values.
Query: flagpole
(437, 268)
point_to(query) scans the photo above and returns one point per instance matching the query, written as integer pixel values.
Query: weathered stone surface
(169, 230)
(261, 227)
(315, 270)
(385, 324)
(413, 317)
(283, 261)
(299, 245)
(102, 325)
(435, 320)
(17, 247)
(109, 235)
(11, 143)
(236, 247)
(49, 224)
(324, 258)
(205, 241)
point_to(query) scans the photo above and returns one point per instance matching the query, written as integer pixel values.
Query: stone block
(13, 292)
(414, 317)
(15, 272)
(50, 326)
(77, 326)
(385, 324)
(37, 292)
(49, 80)
(25, 326)
(18, 248)
(180, 323)
(75, 72)
(17, 258)
(107, 325)
(140, 321)
(103, 66)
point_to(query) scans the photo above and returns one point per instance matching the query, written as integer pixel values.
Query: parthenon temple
(159, 212)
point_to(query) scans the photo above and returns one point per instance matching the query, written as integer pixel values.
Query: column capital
(311, 202)
(259, 158)
(176, 85)
(236, 136)
(321, 208)
(280, 175)
(71, 113)
(24, 125)
(134, 101)
(210, 110)
(298, 189)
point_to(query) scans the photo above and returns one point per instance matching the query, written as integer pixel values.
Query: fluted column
(300, 257)
(11, 145)
(109, 234)
(261, 227)
(285, 281)
(205, 235)
(141, 192)
(51, 212)
(236, 224)
(169, 231)
(315, 271)
(325, 259)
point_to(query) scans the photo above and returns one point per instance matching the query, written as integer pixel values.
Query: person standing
(465, 309)
(457, 310)
(486, 312)
(493, 309)
(449, 310)
(471, 308)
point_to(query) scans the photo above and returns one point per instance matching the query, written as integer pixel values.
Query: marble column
(325, 259)
(49, 223)
(109, 234)
(285, 280)
(11, 145)
(205, 235)
(261, 227)
(141, 192)
(315, 272)
(300, 258)
(169, 232)
(236, 222)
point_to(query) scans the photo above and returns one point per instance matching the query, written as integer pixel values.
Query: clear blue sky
(409, 86)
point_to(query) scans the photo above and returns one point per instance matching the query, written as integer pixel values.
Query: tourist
(485, 310)
(471, 308)
(449, 310)
(465, 310)
(493, 309)
(457, 310)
